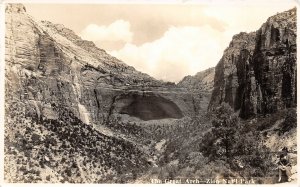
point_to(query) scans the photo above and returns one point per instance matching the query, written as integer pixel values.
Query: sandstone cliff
(48, 64)
(202, 81)
(275, 65)
(227, 81)
(257, 73)
(63, 99)
(200, 85)
(51, 88)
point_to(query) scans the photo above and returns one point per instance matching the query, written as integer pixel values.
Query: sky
(165, 40)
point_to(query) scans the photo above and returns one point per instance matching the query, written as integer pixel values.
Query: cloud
(186, 50)
(119, 30)
(179, 52)
(241, 18)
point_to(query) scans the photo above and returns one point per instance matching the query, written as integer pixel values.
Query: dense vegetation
(232, 142)
(66, 150)
(224, 146)
(215, 145)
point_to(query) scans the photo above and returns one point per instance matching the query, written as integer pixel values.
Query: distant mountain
(257, 73)
(202, 81)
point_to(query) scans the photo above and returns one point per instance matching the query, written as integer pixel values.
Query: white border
(210, 2)
(2, 76)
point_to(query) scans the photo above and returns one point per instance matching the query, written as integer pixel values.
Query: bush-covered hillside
(66, 150)
(228, 147)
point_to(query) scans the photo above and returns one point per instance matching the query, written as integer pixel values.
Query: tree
(230, 141)
(222, 136)
(225, 125)
(290, 121)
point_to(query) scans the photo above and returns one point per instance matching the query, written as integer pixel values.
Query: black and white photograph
(149, 92)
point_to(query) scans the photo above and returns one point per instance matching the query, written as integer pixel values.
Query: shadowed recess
(151, 108)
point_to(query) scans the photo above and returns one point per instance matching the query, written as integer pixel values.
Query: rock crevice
(257, 73)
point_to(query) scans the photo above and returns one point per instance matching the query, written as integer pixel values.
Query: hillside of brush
(195, 152)
(66, 150)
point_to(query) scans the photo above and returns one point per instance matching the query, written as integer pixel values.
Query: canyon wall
(257, 73)
(49, 67)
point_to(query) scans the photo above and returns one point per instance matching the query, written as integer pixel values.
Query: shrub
(22, 168)
(36, 138)
(290, 121)
(68, 172)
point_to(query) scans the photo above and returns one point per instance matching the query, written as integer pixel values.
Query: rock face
(48, 65)
(60, 95)
(200, 85)
(275, 66)
(228, 81)
(202, 81)
(257, 73)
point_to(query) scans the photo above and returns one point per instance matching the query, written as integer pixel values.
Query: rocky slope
(58, 85)
(257, 73)
(51, 90)
(202, 81)
(66, 150)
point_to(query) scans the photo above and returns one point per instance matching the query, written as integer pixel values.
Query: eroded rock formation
(49, 65)
(60, 95)
(274, 64)
(148, 106)
(202, 81)
(257, 73)
(229, 80)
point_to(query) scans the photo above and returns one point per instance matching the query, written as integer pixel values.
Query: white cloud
(245, 17)
(116, 31)
(181, 51)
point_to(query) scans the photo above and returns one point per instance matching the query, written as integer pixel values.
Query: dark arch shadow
(151, 107)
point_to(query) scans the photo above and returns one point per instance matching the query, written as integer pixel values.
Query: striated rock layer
(275, 65)
(63, 100)
(48, 64)
(257, 73)
(229, 80)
